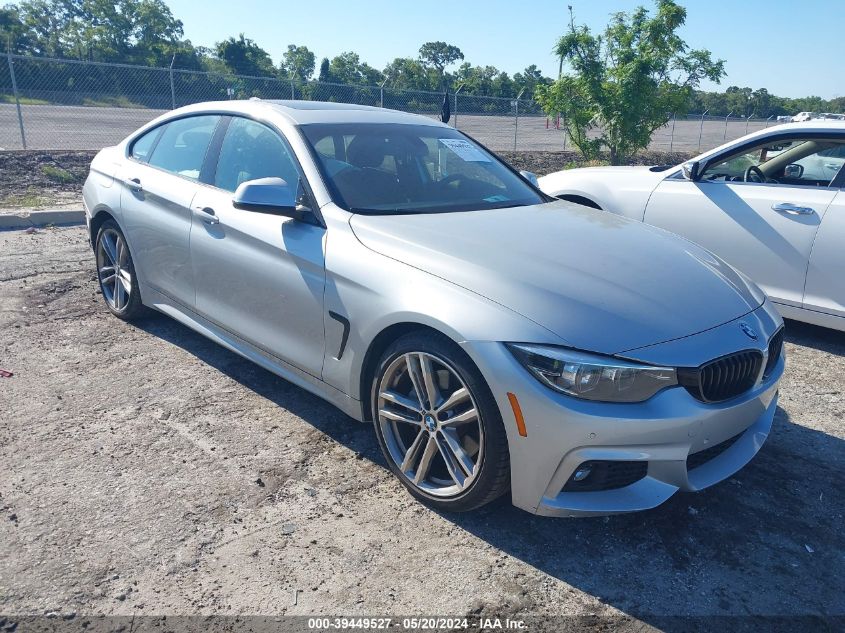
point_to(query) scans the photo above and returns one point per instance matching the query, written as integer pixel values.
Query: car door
(158, 183)
(257, 275)
(752, 207)
(825, 289)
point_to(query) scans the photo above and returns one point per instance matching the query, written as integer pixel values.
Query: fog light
(582, 473)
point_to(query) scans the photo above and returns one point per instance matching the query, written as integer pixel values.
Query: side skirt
(813, 317)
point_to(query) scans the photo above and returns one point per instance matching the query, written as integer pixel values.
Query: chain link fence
(53, 104)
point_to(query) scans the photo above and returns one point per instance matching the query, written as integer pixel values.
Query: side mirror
(794, 171)
(690, 170)
(267, 195)
(530, 177)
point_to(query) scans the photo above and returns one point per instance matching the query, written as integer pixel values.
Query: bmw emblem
(430, 423)
(749, 331)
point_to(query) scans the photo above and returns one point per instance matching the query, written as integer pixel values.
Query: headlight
(591, 376)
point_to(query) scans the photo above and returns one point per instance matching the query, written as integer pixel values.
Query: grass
(587, 163)
(106, 102)
(28, 200)
(23, 100)
(57, 174)
(112, 102)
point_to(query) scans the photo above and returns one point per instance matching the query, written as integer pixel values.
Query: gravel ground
(146, 470)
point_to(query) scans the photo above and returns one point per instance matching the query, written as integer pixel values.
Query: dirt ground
(42, 180)
(146, 470)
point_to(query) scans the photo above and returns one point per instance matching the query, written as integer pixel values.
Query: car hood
(596, 280)
(621, 190)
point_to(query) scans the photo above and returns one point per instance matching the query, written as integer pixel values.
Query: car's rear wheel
(438, 424)
(116, 273)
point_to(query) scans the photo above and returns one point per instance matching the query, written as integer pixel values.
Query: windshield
(382, 168)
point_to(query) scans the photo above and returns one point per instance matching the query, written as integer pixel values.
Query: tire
(118, 284)
(468, 464)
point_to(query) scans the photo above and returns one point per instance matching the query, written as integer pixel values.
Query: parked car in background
(495, 337)
(771, 204)
(804, 116)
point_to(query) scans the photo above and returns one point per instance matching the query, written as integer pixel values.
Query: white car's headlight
(591, 376)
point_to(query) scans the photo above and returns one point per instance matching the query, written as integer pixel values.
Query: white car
(771, 204)
(805, 116)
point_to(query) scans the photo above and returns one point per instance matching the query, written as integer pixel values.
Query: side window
(183, 145)
(801, 161)
(142, 146)
(734, 166)
(252, 150)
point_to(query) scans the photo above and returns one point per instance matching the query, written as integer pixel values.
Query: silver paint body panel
(263, 286)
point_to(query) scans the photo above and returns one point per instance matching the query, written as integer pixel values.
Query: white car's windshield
(400, 168)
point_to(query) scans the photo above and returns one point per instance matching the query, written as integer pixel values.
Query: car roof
(813, 125)
(816, 126)
(307, 112)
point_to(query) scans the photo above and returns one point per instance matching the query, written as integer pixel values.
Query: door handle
(207, 215)
(792, 209)
(134, 184)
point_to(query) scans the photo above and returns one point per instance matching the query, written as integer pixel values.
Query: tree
(298, 63)
(242, 56)
(13, 31)
(438, 55)
(738, 100)
(46, 22)
(406, 73)
(325, 72)
(347, 68)
(529, 79)
(627, 82)
(128, 31)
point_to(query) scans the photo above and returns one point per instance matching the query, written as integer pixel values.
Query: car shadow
(766, 542)
(819, 338)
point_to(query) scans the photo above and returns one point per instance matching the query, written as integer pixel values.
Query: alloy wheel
(430, 424)
(113, 268)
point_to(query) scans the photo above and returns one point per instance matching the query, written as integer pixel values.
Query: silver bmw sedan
(497, 339)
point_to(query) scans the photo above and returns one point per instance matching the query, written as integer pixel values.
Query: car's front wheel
(438, 424)
(116, 273)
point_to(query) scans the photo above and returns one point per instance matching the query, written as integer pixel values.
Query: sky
(793, 48)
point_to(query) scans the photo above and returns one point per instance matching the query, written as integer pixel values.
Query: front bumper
(564, 432)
